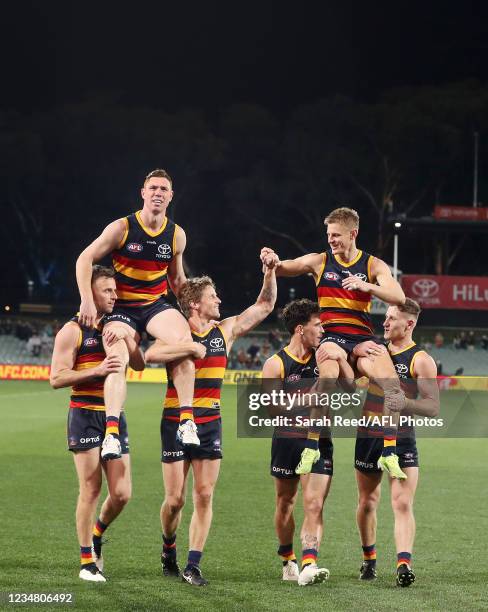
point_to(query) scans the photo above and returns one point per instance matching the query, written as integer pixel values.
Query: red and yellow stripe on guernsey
(143, 281)
(357, 303)
(209, 373)
(89, 394)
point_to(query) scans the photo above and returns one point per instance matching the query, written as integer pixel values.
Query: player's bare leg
(205, 475)
(89, 471)
(115, 392)
(171, 327)
(328, 373)
(402, 497)
(119, 485)
(174, 476)
(284, 521)
(369, 493)
(382, 371)
(315, 488)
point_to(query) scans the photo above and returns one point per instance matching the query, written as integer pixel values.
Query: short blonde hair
(344, 215)
(192, 291)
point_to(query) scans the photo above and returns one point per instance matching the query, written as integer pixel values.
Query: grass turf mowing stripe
(39, 491)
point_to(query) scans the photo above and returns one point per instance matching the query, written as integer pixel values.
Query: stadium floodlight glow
(7, 308)
(398, 224)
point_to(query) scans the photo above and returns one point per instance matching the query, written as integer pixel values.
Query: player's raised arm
(176, 272)
(159, 352)
(108, 240)
(64, 357)
(306, 264)
(239, 325)
(387, 288)
(428, 402)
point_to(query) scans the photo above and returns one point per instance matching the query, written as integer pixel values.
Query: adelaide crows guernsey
(90, 353)
(141, 261)
(298, 375)
(344, 311)
(209, 376)
(403, 361)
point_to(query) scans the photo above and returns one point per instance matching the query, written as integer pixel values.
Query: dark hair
(192, 292)
(160, 173)
(410, 307)
(101, 271)
(299, 312)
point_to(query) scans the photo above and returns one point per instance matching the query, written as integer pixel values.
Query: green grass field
(40, 550)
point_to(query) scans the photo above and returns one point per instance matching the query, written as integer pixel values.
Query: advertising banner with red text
(457, 292)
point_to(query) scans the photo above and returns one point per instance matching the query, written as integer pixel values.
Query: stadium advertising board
(431, 291)
(460, 213)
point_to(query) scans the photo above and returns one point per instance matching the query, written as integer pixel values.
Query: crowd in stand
(38, 335)
(257, 352)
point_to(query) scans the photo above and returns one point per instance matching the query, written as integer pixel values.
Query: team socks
(86, 559)
(112, 426)
(98, 531)
(389, 441)
(194, 557)
(99, 528)
(186, 414)
(286, 553)
(404, 558)
(169, 546)
(369, 554)
(309, 557)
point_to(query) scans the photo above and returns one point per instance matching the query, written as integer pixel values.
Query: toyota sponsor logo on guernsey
(216, 344)
(402, 369)
(90, 342)
(425, 287)
(134, 247)
(164, 251)
(316, 371)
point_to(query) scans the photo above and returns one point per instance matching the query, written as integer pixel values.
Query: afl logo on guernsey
(164, 250)
(293, 378)
(90, 342)
(216, 343)
(331, 276)
(134, 247)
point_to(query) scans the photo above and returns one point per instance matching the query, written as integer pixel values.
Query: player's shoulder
(423, 364)
(70, 332)
(273, 366)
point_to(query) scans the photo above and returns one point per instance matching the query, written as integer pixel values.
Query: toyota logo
(401, 368)
(363, 277)
(216, 342)
(164, 249)
(316, 371)
(425, 287)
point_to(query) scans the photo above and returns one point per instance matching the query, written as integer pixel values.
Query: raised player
(147, 250)
(417, 371)
(292, 364)
(346, 279)
(79, 360)
(199, 302)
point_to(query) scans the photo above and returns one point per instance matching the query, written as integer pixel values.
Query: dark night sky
(206, 55)
(209, 55)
